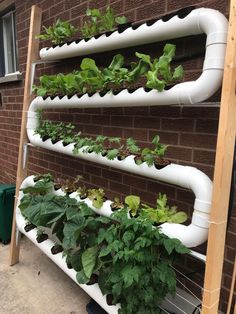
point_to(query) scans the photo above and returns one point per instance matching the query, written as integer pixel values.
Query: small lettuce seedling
(97, 197)
(149, 155)
(58, 32)
(133, 203)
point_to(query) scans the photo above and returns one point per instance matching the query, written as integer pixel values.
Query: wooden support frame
(33, 55)
(222, 175)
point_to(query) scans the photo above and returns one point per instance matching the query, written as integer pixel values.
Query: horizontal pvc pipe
(186, 93)
(199, 21)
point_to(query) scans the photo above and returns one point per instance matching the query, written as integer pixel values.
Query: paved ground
(36, 285)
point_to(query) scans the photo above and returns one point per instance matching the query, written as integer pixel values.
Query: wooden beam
(222, 175)
(33, 55)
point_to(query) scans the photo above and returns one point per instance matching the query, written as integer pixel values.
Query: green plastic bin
(7, 193)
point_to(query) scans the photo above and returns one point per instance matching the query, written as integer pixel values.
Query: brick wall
(190, 132)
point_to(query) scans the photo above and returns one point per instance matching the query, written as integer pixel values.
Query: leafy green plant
(91, 78)
(58, 32)
(141, 262)
(117, 204)
(150, 155)
(127, 254)
(98, 22)
(71, 185)
(133, 203)
(132, 146)
(160, 73)
(162, 213)
(97, 197)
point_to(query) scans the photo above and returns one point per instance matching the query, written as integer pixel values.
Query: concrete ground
(36, 285)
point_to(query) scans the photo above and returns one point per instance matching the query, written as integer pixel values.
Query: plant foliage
(91, 78)
(99, 22)
(128, 254)
(58, 32)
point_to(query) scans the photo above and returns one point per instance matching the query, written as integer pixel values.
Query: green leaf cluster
(96, 22)
(58, 32)
(127, 254)
(160, 74)
(149, 155)
(163, 212)
(111, 147)
(158, 215)
(99, 22)
(91, 78)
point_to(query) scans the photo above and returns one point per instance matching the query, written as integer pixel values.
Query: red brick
(121, 121)
(111, 131)
(165, 137)
(172, 124)
(118, 7)
(204, 156)
(159, 187)
(99, 119)
(151, 10)
(99, 182)
(179, 153)
(134, 181)
(79, 10)
(198, 140)
(137, 134)
(112, 175)
(134, 4)
(119, 188)
(208, 112)
(165, 111)
(173, 5)
(98, 3)
(146, 122)
(206, 126)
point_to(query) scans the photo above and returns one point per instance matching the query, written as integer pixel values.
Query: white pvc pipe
(199, 21)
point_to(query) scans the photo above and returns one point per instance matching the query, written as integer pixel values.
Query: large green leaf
(144, 57)
(117, 62)
(133, 202)
(178, 218)
(89, 64)
(89, 259)
(40, 187)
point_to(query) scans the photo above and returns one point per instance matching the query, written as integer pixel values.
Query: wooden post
(33, 55)
(222, 175)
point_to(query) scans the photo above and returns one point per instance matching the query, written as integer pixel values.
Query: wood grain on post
(222, 175)
(33, 55)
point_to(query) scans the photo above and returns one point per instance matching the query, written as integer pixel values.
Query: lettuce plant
(160, 74)
(58, 32)
(98, 22)
(163, 212)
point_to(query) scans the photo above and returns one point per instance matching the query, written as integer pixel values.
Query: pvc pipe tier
(184, 176)
(198, 21)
